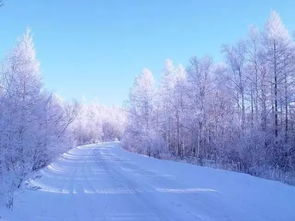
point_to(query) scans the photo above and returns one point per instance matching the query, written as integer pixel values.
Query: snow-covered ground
(105, 182)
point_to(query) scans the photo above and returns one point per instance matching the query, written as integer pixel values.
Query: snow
(104, 182)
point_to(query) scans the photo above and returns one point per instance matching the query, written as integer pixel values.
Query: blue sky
(93, 49)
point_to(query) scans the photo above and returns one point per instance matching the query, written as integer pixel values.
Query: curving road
(104, 182)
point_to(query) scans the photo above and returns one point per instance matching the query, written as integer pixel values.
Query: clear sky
(93, 49)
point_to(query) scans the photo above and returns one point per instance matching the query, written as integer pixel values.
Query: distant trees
(96, 123)
(238, 115)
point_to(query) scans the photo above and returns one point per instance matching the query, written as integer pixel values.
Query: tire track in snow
(139, 190)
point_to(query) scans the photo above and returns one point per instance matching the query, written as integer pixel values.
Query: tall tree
(199, 86)
(236, 59)
(277, 45)
(140, 112)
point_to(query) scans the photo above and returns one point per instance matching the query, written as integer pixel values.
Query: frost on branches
(237, 115)
(33, 122)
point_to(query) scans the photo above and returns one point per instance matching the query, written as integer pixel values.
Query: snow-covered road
(104, 182)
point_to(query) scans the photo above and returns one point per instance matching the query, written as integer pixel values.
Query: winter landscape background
(200, 120)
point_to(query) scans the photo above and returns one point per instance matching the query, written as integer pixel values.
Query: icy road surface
(104, 182)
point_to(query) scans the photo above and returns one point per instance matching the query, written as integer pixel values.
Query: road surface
(104, 182)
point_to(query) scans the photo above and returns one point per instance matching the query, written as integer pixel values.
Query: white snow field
(105, 182)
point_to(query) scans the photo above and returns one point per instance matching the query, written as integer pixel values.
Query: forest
(238, 114)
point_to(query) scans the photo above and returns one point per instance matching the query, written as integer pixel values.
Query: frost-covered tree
(236, 59)
(278, 52)
(238, 114)
(172, 94)
(199, 88)
(33, 123)
(141, 130)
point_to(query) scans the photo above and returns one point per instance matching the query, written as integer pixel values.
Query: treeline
(36, 125)
(237, 115)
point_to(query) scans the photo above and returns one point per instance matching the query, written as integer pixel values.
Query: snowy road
(104, 182)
